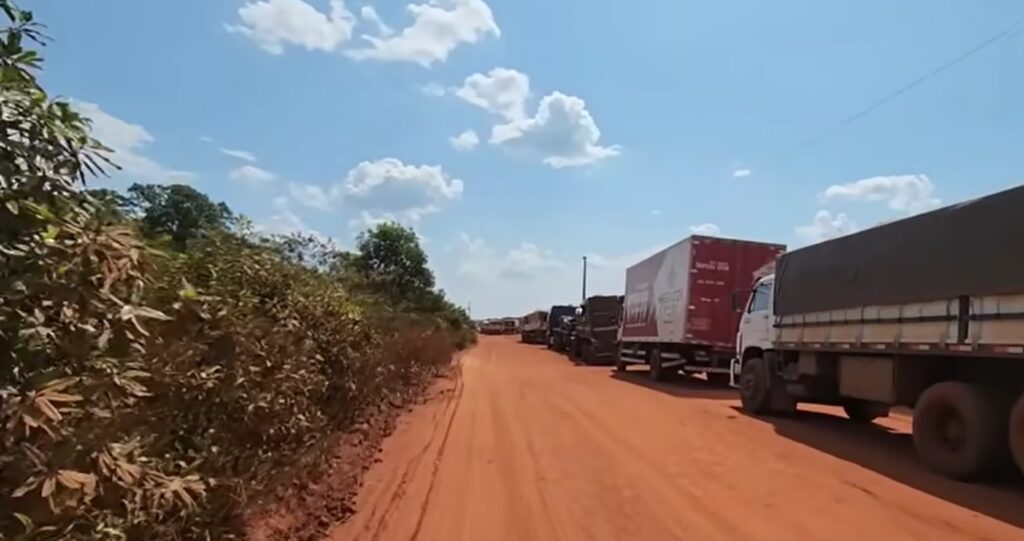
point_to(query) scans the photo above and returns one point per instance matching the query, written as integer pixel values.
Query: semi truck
(595, 335)
(560, 324)
(678, 314)
(534, 328)
(926, 312)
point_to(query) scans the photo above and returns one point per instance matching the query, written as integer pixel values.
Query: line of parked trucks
(926, 312)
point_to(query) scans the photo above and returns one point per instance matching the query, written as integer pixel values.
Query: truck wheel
(865, 411)
(718, 380)
(754, 386)
(657, 373)
(620, 365)
(1017, 433)
(761, 391)
(956, 432)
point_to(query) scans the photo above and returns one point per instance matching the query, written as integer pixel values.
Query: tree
(110, 206)
(390, 260)
(178, 211)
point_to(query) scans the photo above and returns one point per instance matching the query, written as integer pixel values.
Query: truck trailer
(926, 312)
(534, 328)
(678, 310)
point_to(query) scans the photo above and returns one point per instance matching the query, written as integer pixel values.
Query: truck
(534, 328)
(926, 312)
(678, 314)
(561, 320)
(595, 334)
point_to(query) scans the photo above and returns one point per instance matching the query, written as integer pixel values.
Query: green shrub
(147, 394)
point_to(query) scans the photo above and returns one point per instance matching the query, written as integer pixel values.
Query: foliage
(145, 396)
(178, 211)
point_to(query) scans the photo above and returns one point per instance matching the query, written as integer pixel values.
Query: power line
(1008, 32)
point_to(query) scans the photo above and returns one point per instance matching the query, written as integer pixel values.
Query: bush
(146, 394)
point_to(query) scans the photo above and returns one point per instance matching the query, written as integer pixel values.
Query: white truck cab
(755, 330)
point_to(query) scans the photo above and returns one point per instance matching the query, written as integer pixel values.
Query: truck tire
(761, 390)
(620, 365)
(754, 386)
(1017, 433)
(657, 372)
(865, 411)
(956, 430)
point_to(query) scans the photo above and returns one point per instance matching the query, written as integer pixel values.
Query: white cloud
(433, 90)
(903, 193)
(391, 189)
(128, 141)
(826, 226)
(465, 141)
(312, 196)
(251, 175)
(284, 222)
(369, 14)
(240, 154)
(563, 131)
(480, 262)
(206, 138)
(501, 91)
(740, 173)
(384, 190)
(706, 229)
(274, 24)
(438, 27)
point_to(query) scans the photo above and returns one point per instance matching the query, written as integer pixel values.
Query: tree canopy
(178, 211)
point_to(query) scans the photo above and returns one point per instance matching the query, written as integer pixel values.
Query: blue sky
(601, 128)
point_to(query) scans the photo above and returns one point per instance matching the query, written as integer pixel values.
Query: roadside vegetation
(161, 363)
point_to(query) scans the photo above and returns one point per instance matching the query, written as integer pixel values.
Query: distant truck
(492, 326)
(509, 325)
(595, 335)
(926, 312)
(561, 321)
(678, 314)
(534, 328)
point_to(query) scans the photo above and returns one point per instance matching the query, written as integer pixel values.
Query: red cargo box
(683, 293)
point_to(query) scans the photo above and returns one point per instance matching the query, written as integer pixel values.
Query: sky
(516, 136)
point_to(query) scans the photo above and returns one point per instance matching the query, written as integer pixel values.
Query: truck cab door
(756, 326)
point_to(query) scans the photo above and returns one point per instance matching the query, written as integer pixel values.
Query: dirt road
(527, 446)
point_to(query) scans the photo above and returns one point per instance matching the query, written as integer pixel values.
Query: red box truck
(678, 312)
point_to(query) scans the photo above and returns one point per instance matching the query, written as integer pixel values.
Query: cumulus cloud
(312, 196)
(826, 226)
(284, 221)
(501, 91)
(251, 175)
(562, 131)
(479, 261)
(383, 190)
(705, 229)
(392, 189)
(903, 193)
(369, 14)
(465, 141)
(128, 142)
(275, 24)
(438, 28)
(240, 154)
(740, 173)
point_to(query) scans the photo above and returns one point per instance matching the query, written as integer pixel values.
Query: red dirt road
(526, 446)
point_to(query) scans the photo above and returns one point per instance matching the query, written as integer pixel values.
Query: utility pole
(584, 279)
